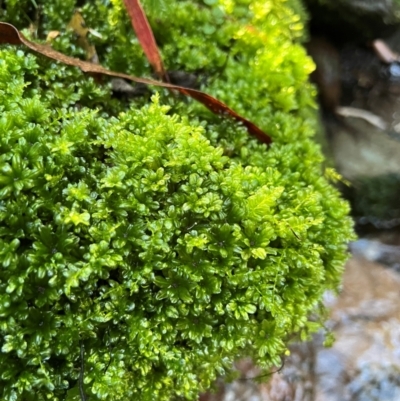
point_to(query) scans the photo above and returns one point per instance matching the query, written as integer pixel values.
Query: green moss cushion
(146, 245)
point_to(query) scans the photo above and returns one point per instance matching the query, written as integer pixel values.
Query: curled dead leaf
(78, 26)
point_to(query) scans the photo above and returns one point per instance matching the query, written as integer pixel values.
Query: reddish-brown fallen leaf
(9, 34)
(145, 36)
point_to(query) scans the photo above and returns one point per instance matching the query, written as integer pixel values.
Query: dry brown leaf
(78, 26)
(9, 34)
(52, 35)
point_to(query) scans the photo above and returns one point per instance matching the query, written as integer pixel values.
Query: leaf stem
(82, 370)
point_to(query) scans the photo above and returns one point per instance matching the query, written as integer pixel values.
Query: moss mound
(146, 245)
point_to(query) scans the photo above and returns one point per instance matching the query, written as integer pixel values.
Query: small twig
(371, 118)
(81, 373)
(384, 52)
(109, 351)
(189, 228)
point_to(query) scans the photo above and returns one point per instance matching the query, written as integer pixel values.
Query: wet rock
(376, 251)
(365, 141)
(375, 200)
(327, 75)
(366, 321)
(364, 362)
(365, 136)
(359, 20)
(376, 383)
(362, 150)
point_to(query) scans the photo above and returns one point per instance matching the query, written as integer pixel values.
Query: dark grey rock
(360, 20)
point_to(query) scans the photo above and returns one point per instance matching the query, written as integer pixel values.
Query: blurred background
(355, 45)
